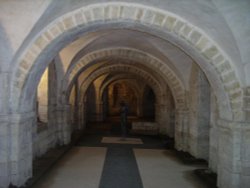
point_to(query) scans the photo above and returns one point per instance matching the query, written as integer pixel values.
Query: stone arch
(154, 83)
(161, 20)
(115, 78)
(128, 53)
(123, 68)
(132, 97)
(172, 79)
(121, 77)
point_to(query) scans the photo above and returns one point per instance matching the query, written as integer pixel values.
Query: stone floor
(144, 163)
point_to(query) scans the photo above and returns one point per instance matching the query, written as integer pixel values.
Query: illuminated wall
(42, 98)
(118, 92)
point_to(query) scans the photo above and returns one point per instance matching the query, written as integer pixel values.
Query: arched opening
(148, 104)
(118, 92)
(120, 83)
(182, 34)
(44, 136)
(42, 99)
(200, 114)
(91, 104)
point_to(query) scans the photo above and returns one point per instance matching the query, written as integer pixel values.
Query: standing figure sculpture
(124, 114)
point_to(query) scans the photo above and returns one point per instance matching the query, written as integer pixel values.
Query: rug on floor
(120, 140)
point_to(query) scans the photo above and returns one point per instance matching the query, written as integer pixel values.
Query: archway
(204, 51)
(148, 103)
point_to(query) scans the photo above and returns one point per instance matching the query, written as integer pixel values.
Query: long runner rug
(120, 169)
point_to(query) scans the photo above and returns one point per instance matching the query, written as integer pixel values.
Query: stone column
(84, 117)
(63, 124)
(234, 152)
(245, 155)
(81, 116)
(52, 124)
(21, 147)
(99, 111)
(198, 137)
(76, 106)
(199, 120)
(162, 118)
(213, 135)
(181, 129)
(4, 150)
(213, 147)
(245, 147)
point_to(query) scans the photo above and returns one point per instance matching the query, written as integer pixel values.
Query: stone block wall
(213, 135)
(162, 118)
(182, 130)
(4, 151)
(21, 147)
(199, 112)
(247, 103)
(44, 139)
(4, 94)
(233, 154)
(245, 158)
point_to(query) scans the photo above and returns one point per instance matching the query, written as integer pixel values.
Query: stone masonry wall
(213, 135)
(199, 115)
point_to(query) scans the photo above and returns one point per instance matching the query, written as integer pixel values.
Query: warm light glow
(42, 97)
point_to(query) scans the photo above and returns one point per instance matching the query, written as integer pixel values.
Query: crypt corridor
(181, 66)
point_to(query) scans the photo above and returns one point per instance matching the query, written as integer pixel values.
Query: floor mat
(120, 140)
(120, 169)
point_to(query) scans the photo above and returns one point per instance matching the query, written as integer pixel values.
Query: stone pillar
(213, 147)
(181, 129)
(76, 106)
(75, 111)
(213, 135)
(5, 138)
(245, 156)
(198, 138)
(245, 141)
(162, 118)
(21, 147)
(52, 124)
(81, 116)
(84, 117)
(99, 111)
(234, 152)
(199, 120)
(63, 124)
(4, 151)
